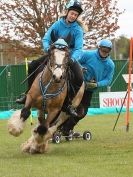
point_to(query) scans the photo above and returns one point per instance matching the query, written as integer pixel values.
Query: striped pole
(129, 84)
(26, 67)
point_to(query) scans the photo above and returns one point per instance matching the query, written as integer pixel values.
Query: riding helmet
(105, 43)
(74, 5)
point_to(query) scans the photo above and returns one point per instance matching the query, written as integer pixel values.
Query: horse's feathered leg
(38, 143)
(35, 144)
(15, 124)
(43, 128)
(25, 113)
(17, 121)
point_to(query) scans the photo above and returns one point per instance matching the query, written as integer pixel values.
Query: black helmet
(74, 5)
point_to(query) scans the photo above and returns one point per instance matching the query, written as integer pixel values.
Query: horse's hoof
(43, 148)
(33, 151)
(25, 147)
(13, 131)
(15, 124)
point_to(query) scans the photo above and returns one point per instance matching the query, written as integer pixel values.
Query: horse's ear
(53, 38)
(68, 38)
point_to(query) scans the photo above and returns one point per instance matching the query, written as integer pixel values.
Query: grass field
(108, 154)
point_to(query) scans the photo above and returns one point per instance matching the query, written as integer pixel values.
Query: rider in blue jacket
(99, 66)
(61, 29)
(67, 24)
(99, 70)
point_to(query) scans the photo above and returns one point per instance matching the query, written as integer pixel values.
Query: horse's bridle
(50, 67)
(44, 88)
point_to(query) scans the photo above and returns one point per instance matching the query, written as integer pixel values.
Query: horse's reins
(31, 74)
(44, 88)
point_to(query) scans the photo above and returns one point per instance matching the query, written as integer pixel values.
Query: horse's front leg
(43, 127)
(41, 134)
(60, 120)
(63, 116)
(36, 143)
(17, 121)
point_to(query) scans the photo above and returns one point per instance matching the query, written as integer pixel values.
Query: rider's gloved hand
(91, 85)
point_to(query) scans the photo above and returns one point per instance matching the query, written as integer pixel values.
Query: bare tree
(102, 19)
(28, 20)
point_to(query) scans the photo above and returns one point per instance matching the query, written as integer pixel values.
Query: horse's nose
(57, 79)
(54, 77)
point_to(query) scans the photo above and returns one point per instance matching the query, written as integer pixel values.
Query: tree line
(121, 46)
(26, 21)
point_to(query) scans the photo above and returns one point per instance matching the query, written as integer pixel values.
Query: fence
(11, 77)
(10, 85)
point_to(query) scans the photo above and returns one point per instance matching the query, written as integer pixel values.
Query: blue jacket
(98, 69)
(61, 30)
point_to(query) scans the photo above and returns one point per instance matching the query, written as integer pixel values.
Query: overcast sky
(126, 19)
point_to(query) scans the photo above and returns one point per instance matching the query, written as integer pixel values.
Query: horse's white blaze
(59, 58)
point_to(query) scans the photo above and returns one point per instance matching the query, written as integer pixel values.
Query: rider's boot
(22, 99)
(68, 126)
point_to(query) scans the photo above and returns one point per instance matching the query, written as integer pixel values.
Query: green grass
(108, 154)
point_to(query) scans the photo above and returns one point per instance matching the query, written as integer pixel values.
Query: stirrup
(71, 110)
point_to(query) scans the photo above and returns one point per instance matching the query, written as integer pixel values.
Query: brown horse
(47, 94)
